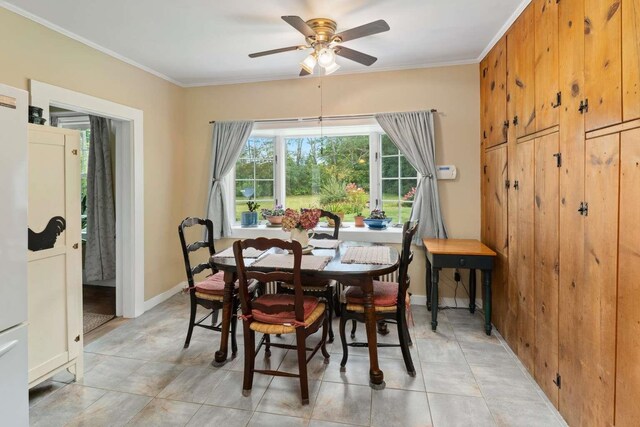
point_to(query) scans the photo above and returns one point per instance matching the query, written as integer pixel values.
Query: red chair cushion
(279, 308)
(385, 294)
(212, 285)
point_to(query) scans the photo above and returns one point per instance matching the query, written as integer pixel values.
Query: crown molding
(503, 30)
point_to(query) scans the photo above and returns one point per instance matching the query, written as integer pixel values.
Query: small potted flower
(377, 220)
(357, 197)
(300, 224)
(274, 216)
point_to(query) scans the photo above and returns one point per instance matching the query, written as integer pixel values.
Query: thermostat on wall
(446, 172)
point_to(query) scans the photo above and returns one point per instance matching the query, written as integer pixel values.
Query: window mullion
(375, 170)
(279, 184)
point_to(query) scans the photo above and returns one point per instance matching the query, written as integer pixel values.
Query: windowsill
(349, 232)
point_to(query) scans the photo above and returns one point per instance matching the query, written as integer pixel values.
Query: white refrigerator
(14, 389)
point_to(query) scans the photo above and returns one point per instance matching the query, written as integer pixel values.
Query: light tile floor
(139, 374)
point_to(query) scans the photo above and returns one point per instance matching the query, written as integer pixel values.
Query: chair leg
(214, 317)
(192, 321)
(302, 365)
(343, 340)
(323, 346)
(329, 311)
(354, 325)
(406, 329)
(336, 301)
(267, 346)
(402, 336)
(234, 327)
(249, 359)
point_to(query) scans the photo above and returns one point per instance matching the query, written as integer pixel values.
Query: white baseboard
(445, 301)
(158, 299)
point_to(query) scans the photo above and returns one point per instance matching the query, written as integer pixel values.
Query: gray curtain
(414, 135)
(100, 254)
(227, 143)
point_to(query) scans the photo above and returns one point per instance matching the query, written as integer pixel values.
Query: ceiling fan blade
(272, 51)
(375, 27)
(304, 72)
(300, 25)
(355, 55)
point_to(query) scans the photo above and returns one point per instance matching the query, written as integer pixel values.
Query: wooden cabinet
(603, 63)
(55, 265)
(547, 98)
(631, 59)
(628, 336)
(494, 84)
(520, 74)
(524, 188)
(546, 263)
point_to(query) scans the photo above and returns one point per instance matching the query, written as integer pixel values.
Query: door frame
(129, 182)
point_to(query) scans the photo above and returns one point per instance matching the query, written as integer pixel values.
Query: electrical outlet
(456, 276)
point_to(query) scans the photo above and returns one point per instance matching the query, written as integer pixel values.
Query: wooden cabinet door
(495, 131)
(525, 260)
(546, 264)
(603, 63)
(587, 363)
(496, 225)
(55, 264)
(628, 335)
(631, 59)
(520, 74)
(546, 63)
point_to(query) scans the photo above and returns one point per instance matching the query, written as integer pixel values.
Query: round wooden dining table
(361, 275)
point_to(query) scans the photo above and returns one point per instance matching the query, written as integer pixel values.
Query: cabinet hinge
(584, 106)
(506, 123)
(484, 134)
(558, 381)
(74, 152)
(584, 209)
(484, 169)
(516, 185)
(558, 100)
(77, 339)
(558, 157)
(515, 120)
(507, 183)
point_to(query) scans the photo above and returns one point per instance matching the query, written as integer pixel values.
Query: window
(255, 174)
(349, 169)
(399, 180)
(85, 138)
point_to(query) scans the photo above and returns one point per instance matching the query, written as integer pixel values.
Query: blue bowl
(377, 224)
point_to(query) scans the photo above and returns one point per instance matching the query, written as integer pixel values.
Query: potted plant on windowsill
(357, 198)
(274, 216)
(377, 220)
(250, 218)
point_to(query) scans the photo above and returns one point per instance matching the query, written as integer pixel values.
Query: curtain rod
(317, 119)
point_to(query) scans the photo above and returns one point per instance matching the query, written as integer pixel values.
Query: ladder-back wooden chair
(278, 314)
(390, 302)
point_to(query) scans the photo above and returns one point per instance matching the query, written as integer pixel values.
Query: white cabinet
(14, 403)
(54, 256)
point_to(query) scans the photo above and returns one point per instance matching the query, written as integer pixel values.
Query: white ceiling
(198, 42)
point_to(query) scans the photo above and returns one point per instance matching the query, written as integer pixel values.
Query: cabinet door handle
(8, 347)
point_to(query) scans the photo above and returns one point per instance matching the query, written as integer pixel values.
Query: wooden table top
(457, 247)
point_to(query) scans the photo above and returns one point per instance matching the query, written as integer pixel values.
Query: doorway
(97, 195)
(129, 183)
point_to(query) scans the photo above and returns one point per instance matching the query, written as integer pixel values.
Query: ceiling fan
(320, 35)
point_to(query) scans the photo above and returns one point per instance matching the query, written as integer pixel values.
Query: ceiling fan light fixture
(326, 57)
(331, 69)
(309, 63)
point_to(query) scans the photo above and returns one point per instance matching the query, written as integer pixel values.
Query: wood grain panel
(603, 63)
(521, 74)
(546, 63)
(595, 323)
(627, 410)
(572, 145)
(483, 114)
(546, 264)
(631, 59)
(510, 329)
(496, 131)
(525, 266)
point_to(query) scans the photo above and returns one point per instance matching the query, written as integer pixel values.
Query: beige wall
(31, 51)
(454, 91)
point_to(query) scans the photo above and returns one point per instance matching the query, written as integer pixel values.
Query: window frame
(372, 130)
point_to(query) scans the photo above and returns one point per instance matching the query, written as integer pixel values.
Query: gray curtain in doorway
(227, 143)
(414, 135)
(100, 254)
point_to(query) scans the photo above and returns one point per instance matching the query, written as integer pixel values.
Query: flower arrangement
(357, 198)
(277, 210)
(410, 194)
(306, 219)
